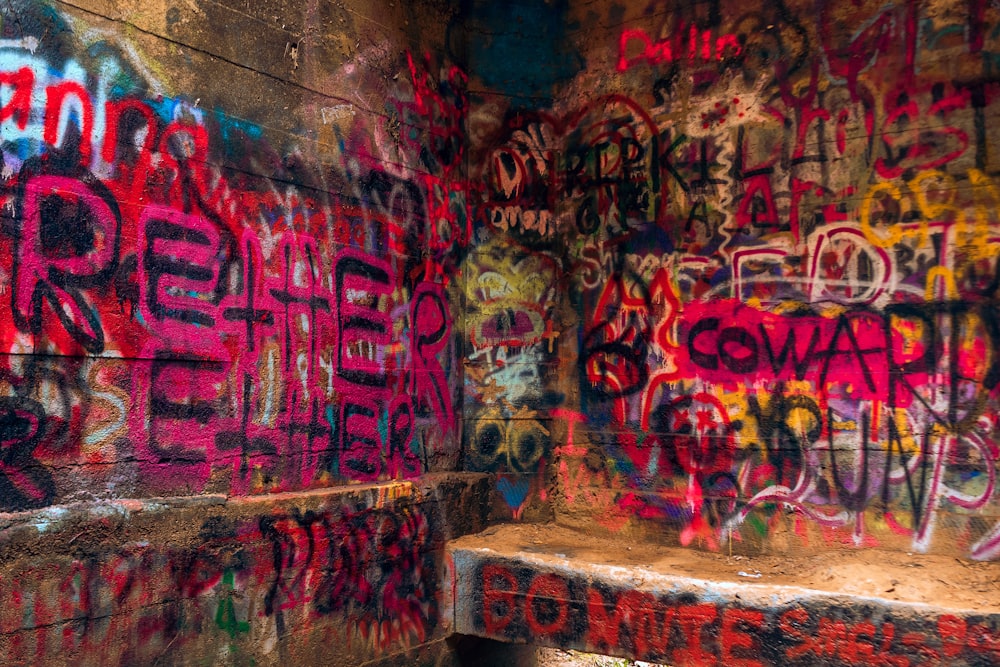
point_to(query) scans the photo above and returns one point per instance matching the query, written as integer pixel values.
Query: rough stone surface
(719, 275)
(746, 252)
(230, 384)
(339, 577)
(550, 586)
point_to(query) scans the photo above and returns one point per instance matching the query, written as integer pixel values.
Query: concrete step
(342, 577)
(550, 586)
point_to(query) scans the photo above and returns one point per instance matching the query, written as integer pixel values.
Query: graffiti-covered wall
(230, 241)
(736, 268)
(226, 263)
(353, 576)
(722, 273)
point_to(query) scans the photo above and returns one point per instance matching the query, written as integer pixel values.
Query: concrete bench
(395, 573)
(549, 586)
(345, 576)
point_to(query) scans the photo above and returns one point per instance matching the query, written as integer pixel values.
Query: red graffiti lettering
(19, 107)
(692, 620)
(546, 605)
(732, 637)
(499, 596)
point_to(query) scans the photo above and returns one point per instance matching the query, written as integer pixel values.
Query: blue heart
(514, 492)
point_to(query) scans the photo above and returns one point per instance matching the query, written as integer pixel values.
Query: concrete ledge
(549, 586)
(341, 576)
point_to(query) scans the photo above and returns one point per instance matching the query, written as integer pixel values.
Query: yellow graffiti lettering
(895, 232)
(948, 278)
(939, 183)
(979, 216)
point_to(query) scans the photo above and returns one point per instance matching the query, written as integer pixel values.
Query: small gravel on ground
(555, 657)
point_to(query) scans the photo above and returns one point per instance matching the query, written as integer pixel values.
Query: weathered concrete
(720, 274)
(228, 248)
(745, 251)
(339, 576)
(553, 587)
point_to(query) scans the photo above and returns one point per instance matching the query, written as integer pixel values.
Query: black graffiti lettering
(915, 482)
(256, 447)
(308, 298)
(700, 357)
(251, 315)
(854, 500)
(182, 389)
(24, 482)
(68, 241)
(789, 349)
(360, 325)
(738, 350)
(359, 446)
(833, 350)
(784, 437)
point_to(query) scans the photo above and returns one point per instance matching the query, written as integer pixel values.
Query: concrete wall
(721, 274)
(748, 259)
(351, 576)
(230, 240)
(602, 598)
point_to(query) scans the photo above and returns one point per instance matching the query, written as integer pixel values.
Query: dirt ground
(556, 657)
(943, 581)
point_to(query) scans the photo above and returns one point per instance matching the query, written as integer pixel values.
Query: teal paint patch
(505, 36)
